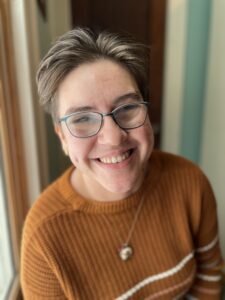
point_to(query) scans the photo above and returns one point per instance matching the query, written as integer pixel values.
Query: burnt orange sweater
(70, 244)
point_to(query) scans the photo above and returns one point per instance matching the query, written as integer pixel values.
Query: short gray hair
(80, 46)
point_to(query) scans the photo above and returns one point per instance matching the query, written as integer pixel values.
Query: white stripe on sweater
(156, 277)
(211, 278)
(209, 246)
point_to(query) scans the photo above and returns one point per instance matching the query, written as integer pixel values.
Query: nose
(111, 133)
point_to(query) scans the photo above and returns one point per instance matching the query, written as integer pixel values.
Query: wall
(212, 156)
(26, 94)
(195, 73)
(32, 37)
(194, 106)
(58, 21)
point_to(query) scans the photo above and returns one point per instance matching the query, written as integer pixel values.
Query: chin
(121, 188)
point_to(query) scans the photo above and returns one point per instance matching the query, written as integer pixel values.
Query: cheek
(146, 136)
(146, 141)
(79, 150)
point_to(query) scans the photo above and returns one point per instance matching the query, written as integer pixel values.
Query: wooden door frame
(14, 163)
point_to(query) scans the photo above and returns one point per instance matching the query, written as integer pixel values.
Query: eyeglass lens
(130, 116)
(84, 124)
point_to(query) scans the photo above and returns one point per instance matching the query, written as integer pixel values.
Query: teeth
(114, 159)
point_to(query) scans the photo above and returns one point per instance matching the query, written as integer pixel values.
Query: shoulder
(179, 175)
(184, 185)
(53, 201)
(174, 164)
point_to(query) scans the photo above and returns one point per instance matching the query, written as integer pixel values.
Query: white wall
(175, 44)
(212, 158)
(213, 142)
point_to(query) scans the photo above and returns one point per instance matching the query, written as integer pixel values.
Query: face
(111, 164)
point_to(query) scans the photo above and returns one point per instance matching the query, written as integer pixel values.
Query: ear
(59, 132)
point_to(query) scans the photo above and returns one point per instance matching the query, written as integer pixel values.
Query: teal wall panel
(198, 29)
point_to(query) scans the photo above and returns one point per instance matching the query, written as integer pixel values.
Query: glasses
(87, 124)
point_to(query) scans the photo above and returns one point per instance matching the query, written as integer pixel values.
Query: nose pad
(111, 133)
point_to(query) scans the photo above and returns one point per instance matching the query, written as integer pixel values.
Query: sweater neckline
(80, 203)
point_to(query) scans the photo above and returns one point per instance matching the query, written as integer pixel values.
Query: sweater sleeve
(37, 278)
(208, 280)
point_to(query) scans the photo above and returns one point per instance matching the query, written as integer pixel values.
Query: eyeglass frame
(111, 114)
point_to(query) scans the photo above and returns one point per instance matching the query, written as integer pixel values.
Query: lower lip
(119, 165)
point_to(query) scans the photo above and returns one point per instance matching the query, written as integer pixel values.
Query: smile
(115, 159)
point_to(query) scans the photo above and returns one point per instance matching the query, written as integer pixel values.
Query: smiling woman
(108, 82)
(124, 221)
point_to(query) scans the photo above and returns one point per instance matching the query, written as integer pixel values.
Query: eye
(79, 119)
(129, 107)
(82, 119)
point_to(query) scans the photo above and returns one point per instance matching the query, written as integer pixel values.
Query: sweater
(70, 244)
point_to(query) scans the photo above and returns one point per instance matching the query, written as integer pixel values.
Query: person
(124, 221)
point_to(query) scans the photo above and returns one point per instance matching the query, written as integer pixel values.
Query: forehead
(97, 84)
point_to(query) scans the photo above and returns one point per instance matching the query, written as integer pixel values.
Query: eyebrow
(132, 95)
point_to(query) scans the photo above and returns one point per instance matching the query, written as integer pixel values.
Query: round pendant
(125, 252)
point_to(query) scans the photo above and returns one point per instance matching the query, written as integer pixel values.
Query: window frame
(12, 148)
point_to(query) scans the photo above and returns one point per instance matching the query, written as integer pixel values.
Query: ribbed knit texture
(70, 244)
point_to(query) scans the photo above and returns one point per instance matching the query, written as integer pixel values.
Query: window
(13, 195)
(6, 264)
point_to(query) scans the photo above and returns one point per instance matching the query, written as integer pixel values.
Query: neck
(91, 189)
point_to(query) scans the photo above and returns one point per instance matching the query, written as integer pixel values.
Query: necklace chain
(135, 220)
(126, 251)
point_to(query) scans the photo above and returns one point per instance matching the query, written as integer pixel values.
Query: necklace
(126, 250)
